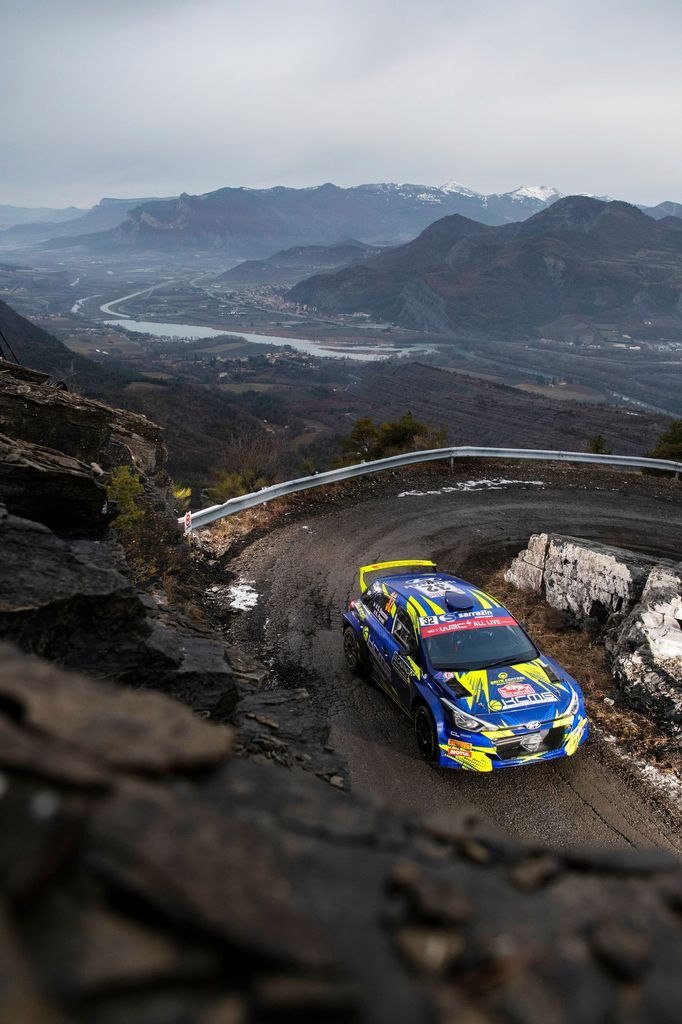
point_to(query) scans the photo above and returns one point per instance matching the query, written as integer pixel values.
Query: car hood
(530, 689)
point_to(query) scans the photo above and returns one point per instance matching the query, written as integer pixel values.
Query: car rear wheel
(425, 733)
(352, 652)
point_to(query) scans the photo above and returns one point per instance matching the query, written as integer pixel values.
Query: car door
(378, 638)
(402, 651)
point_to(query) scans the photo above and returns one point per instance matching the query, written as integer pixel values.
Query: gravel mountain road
(305, 571)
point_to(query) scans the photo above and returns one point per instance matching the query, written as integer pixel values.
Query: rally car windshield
(467, 649)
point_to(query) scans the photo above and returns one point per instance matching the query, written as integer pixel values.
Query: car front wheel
(425, 732)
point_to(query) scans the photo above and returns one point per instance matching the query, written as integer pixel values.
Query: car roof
(426, 591)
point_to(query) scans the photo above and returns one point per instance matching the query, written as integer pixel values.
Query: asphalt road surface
(305, 571)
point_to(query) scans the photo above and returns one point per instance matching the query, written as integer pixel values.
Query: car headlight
(462, 719)
(575, 700)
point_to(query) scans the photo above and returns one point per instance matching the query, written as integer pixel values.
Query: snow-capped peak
(455, 186)
(543, 193)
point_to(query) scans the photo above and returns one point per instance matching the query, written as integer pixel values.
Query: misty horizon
(157, 98)
(86, 204)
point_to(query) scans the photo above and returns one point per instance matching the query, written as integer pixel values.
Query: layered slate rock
(68, 600)
(633, 601)
(52, 488)
(35, 410)
(109, 726)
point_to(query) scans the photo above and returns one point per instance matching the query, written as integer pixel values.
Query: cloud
(157, 97)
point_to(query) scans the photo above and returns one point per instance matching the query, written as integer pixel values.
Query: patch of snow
(668, 782)
(242, 595)
(543, 193)
(459, 189)
(428, 197)
(474, 485)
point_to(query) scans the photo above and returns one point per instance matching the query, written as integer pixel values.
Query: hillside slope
(198, 422)
(36, 348)
(580, 256)
(291, 265)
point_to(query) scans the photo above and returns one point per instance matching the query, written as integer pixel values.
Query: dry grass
(584, 659)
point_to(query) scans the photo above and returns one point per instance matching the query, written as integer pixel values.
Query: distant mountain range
(252, 223)
(10, 215)
(247, 223)
(578, 256)
(107, 214)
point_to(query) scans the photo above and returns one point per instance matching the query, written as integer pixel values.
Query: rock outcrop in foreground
(148, 875)
(158, 868)
(634, 600)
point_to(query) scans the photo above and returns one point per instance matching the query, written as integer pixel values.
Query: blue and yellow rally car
(480, 693)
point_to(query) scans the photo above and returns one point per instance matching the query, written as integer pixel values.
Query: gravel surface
(304, 567)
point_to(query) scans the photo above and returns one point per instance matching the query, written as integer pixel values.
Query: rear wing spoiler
(378, 566)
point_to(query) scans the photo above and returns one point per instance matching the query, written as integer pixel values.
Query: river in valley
(363, 351)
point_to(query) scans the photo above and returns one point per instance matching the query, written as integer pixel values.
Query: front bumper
(478, 752)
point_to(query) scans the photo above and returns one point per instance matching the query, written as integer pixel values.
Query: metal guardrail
(196, 520)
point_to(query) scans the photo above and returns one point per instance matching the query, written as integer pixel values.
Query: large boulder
(646, 649)
(634, 600)
(585, 579)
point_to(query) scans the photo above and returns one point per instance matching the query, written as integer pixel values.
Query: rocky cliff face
(64, 592)
(34, 410)
(162, 869)
(634, 600)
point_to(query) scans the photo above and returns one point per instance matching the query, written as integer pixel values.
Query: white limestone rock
(633, 600)
(586, 579)
(646, 650)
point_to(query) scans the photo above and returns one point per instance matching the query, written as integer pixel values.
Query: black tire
(426, 735)
(353, 653)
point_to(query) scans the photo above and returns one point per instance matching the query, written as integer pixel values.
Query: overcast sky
(155, 97)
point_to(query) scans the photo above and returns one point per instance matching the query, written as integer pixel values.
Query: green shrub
(369, 440)
(597, 446)
(230, 484)
(669, 444)
(124, 488)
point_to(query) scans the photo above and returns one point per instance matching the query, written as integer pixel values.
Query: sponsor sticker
(495, 705)
(433, 587)
(401, 667)
(473, 622)
(516, 690)
(459, 747)
(528, 700)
